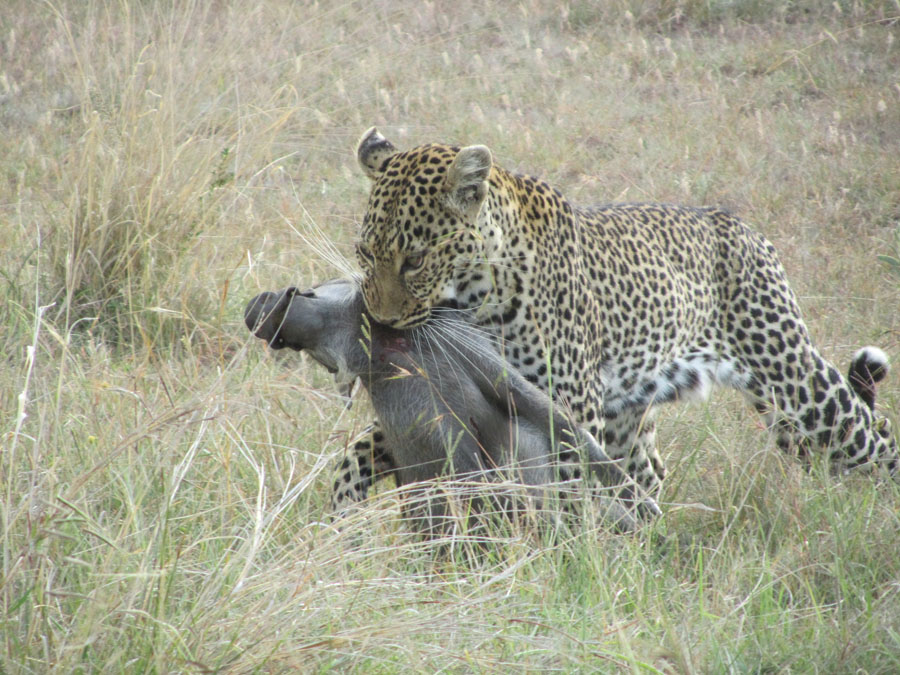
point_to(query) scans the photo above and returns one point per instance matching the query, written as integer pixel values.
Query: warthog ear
(466, 181)
(373, 151)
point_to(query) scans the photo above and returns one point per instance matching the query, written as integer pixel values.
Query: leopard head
(420, 229)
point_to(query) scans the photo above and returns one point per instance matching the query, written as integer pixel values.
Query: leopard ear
(373, 151)
(466, 181)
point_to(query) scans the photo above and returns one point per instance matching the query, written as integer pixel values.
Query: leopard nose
(392, 320)
(385, 318)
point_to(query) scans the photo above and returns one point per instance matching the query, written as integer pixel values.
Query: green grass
(163, 478)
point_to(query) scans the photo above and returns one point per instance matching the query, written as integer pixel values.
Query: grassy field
(163, 478)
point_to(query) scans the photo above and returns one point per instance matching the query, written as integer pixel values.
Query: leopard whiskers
(439, 318)
(453, 335)
(460, 331)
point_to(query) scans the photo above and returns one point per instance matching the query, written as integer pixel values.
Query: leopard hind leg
(810, 406)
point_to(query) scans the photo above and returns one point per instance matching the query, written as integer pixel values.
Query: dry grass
(163, 478)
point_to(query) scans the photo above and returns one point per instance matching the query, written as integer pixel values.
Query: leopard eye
(413, 262)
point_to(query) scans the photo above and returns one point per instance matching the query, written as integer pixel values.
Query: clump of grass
(140, 176)
(123, 226)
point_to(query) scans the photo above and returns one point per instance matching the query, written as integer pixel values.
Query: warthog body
(448, 403)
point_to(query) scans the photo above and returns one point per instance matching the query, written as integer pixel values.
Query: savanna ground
(164, 478)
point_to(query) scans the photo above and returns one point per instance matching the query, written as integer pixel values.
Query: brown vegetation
(164, 479)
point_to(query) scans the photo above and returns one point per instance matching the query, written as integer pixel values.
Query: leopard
(450, 405)
(613, 310)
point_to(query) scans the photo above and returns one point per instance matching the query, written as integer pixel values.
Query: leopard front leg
(630, 439)
(365, 463)
(630, 436)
